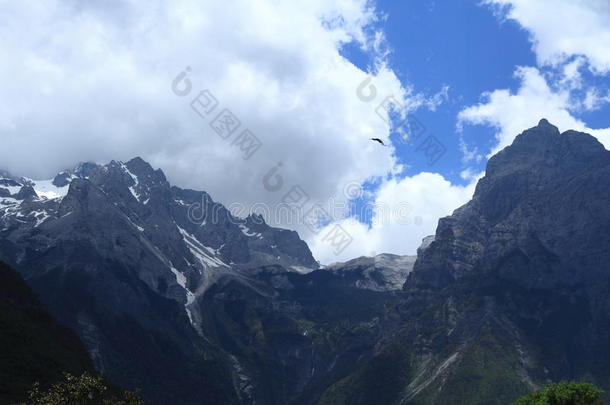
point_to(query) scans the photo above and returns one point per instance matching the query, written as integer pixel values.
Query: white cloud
(594, 100)
(405, 211)
(566, 36)
(560, 29)
(511, 113)
(471, 175)
(469, 154)
(92, 81)
(571, 77)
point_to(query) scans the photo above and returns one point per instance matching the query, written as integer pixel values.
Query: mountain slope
(172, 294)
(513, 291)
(290, 334)
(34, 347)
(116, 254)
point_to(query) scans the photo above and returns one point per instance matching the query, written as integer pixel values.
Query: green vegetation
(83, 390)
(484, 372)
(564, 393)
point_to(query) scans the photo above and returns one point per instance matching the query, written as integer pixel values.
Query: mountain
(514, 290)
(34, 347)
(121, 257)
(172, 294)
(384, 272)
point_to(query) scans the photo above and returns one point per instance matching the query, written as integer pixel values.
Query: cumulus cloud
(93, 81)
(594, 100)
(510, 113)
(560, 29)
(565, 41)
(89, 80)
(404, 212)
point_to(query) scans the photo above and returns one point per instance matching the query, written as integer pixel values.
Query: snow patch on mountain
(138, 227)
(40, 216)
(246, 231)
(301, 269)
(11, 189)
(209, 259)
(46, 189)
(190, 297)
(133, 189)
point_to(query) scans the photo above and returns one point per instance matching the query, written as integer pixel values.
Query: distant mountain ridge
(141, 201)
(383, 272)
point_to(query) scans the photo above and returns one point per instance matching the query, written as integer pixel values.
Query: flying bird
(378, 140)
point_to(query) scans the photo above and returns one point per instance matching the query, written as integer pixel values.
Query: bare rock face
(540, 203)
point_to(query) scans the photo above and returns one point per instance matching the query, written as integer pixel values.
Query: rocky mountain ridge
(512, 293)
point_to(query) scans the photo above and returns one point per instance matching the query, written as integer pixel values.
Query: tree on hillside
(83, 390)
(564, 393)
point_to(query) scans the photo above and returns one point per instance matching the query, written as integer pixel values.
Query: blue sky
(456, 44)
(465, 46)
(471, 48)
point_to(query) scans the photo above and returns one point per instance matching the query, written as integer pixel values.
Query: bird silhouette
(378, 140)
